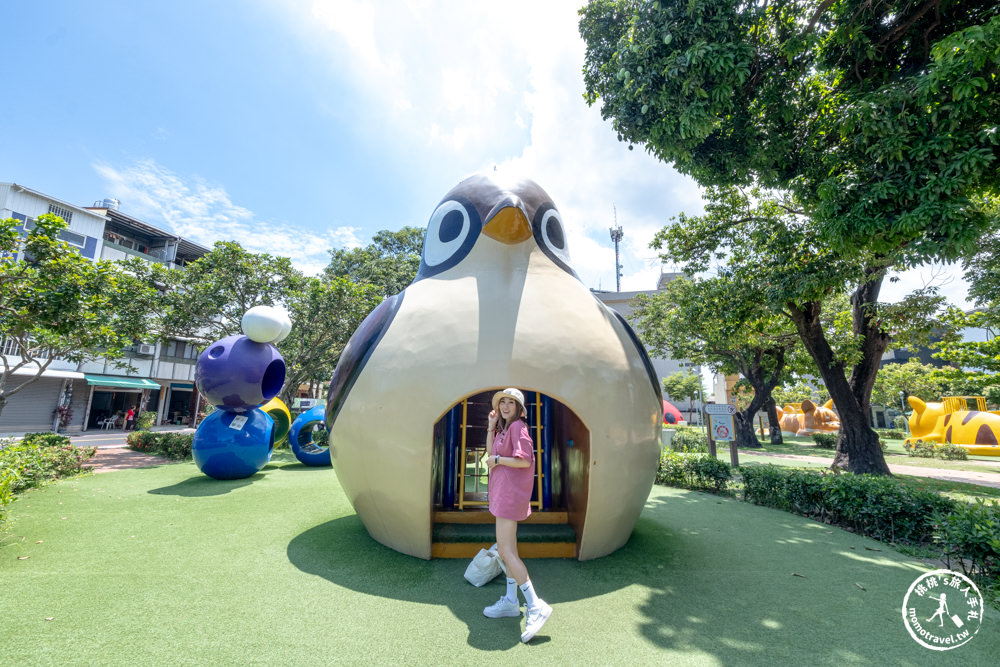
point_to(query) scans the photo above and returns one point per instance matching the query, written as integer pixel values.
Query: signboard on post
(721, 428)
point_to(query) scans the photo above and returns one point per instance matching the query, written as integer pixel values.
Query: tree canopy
(390, 261)
(911, 379)
(880, 117)
(719, 323)
(684, 385)
(206, 299)
(57, 304)
(873, 125)
(324, 313)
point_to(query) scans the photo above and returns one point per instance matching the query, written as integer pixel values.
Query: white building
(162, 373)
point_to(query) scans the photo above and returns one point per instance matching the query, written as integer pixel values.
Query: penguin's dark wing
(356, 354)
(640, 348)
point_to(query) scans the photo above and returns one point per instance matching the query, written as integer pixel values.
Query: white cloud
(472, 85)
(204, 213)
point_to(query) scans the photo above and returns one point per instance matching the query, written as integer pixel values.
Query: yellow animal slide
(806, 418)
(951, 422)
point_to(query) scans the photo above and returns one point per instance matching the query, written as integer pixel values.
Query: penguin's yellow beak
(508, 225)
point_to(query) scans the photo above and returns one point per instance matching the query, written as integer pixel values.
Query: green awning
(119, 381)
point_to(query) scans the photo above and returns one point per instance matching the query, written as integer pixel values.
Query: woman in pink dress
(512, 478)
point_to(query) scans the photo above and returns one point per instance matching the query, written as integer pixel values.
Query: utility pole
(616, 236)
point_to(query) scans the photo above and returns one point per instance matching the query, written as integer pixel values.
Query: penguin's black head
(509, 213)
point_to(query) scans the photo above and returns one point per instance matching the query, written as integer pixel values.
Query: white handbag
(485, 567)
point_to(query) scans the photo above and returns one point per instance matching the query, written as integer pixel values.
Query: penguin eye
(551, 235)
(451, 232)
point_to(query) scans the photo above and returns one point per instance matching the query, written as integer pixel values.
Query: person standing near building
(130, 418)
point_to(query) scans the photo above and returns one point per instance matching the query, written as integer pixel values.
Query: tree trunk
(774, 429)
(763, 382)
(746, 435)
(858, 448)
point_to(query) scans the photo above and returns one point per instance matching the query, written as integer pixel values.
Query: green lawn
(165, 566)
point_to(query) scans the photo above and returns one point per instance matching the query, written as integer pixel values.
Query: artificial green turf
(165, 566)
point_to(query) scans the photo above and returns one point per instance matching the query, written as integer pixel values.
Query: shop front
(113, 395)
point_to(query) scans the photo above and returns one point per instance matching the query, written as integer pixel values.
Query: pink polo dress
(510, 488)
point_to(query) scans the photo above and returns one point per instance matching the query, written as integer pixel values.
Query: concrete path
(110, 459)
(112, 454)
(966, 476)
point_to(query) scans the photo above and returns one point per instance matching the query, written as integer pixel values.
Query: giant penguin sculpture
(495, 303)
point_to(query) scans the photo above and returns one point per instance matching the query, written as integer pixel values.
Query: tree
(772, 250)
(901, 380)
(992, 394)
(205, 300)
(684, 385)
(389, 262)
(875, 120)
(719, 322)
(971, 353)
(57, 304)
(324, 313)
(796, 393)
(958, 382)
(982, 266)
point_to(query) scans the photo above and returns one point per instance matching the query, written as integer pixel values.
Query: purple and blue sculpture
(237, 375)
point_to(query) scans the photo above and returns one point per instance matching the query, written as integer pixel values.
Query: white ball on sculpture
(262, 324)
(286, 326)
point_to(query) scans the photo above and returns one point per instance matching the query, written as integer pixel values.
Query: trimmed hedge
(36, 459)
(170, 445)
(928, 450)
(825, 440)
(693, 471)
(689, 439)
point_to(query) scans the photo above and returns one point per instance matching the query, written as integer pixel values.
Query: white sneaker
(502, 608)
(536, 615)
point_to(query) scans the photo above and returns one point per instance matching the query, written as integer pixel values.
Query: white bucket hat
(512, 393)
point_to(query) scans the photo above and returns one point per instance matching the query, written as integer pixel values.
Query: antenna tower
(616, 236)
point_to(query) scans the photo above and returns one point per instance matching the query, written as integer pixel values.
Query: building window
(8, 347)
(63, 213)
(73, 238)
(27, 224)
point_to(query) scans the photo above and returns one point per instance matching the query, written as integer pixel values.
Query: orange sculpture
(806, 418)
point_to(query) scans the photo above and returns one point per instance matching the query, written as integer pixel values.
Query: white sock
(512, 590)
(530, 598)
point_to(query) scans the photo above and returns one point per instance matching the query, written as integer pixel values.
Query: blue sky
(297, 126)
